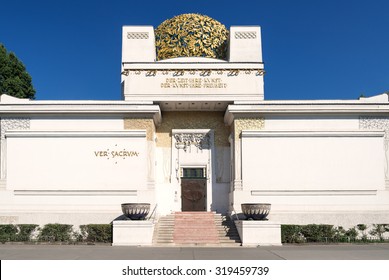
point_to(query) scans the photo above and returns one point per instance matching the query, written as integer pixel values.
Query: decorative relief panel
(248, 124)
(138, 35)
(380, 123)
(192, 120)
(185, 140)
(14, 124)
(9, 124)
(246, 35)
(368, 122)
(144, 124)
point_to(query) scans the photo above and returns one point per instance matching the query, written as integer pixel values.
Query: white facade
(76, 161)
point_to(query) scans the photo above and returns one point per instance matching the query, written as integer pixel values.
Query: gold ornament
(191, 35)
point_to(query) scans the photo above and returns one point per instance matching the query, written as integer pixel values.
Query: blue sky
(333, 49)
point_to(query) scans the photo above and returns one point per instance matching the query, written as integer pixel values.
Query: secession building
(194, 132)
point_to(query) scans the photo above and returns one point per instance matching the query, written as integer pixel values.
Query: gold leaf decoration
(191, 35)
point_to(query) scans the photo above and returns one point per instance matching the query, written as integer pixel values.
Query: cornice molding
(43, 192)
(103, 108)
(36, 133)
(316, 108)
(319, 133)
(329, 192)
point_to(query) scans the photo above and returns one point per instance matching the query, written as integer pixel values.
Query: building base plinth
(259, 233)
(132, 233)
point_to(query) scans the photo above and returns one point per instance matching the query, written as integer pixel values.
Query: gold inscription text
(193, 83)
(113, 154)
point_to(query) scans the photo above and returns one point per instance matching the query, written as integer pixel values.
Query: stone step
(196, 229)
(190, 239)
(166, 236)
(219, 232)
(194, 226)
(170, 235)
(191, 219)
(220, 227)
(162, 236)
(190, 234)
(221, 240)
(195, 236)
(195, 241)
(210, 231)
(228, 239)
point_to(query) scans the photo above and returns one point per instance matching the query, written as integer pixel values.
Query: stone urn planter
(136, 211)
(256, 211)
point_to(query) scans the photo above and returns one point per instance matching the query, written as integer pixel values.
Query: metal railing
(236, 214)
(153, 213)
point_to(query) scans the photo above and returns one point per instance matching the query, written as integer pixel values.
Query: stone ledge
(132, 233)
(259, 233)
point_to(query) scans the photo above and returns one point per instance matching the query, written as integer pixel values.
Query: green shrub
(342, 235)
(8, 233)
(351, 233)
(81, 236)
(96, 233)
(318, 233)
(291, 234)
(56, 232)
(379, 230)
(362, 228)
(339, 233)
(25, 231)
(16, 232)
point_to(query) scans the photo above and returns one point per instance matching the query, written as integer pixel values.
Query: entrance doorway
(193, 189)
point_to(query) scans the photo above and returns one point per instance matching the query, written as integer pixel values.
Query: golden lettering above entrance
(193, 83)
(112, 154)
(115, 154)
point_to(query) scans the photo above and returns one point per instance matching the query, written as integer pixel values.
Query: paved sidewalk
(286, 252)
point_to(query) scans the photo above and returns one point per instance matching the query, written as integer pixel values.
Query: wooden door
(194, 194)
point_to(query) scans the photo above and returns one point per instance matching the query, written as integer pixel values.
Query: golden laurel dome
(191, 35)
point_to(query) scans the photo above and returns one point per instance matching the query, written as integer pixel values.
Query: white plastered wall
(335, 177)
(75, 177)
(138, 44)
(245, 44)
(76, 160)
(315, 160)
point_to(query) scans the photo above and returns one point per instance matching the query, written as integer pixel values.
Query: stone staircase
(195, 229)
